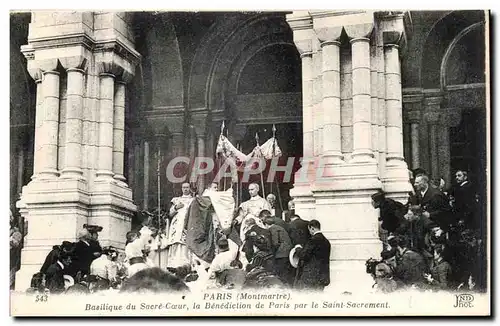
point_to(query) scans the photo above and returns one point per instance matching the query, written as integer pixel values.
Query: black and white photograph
(250, 163)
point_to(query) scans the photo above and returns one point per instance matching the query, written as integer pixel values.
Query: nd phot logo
(464, 301)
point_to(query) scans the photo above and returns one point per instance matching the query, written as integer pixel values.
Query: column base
(349, 277)
(329, 161)
(112, 208)
(55, 210)
(104, 175)
(72, 173)
(397, 180)
(302, 194)
(120, 179)
(362, 157)
(48, 174)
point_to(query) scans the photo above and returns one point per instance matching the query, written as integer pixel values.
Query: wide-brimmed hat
(294, 260)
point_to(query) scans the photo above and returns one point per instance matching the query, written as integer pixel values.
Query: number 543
(41, 298)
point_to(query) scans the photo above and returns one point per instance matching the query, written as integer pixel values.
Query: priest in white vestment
(178, 253)
(251, 209)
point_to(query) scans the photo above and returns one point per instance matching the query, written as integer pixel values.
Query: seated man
(55, 273)
(222, 260)
(260, 271)
(410, 265)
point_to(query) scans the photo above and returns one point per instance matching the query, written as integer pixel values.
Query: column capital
(302, 26)
(432, 117)
(394, 26)
(413, 116)
(116, 58)
(79, 62)
(359, 25)
(199, 121)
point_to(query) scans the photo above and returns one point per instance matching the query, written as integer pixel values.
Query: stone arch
(214, 46)
(438, 41)
(473, 33)
(164, 63)
(256, 34)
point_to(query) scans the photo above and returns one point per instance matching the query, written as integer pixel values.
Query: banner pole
(261, 177)
(274, 178)
(159, 204)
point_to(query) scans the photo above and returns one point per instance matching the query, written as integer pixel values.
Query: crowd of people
(256, 250)
(434, 242)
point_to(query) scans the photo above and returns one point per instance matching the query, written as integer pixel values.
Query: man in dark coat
(464, 203)
(53, 255)
(391, 211)
(265, 214)
(280, 246)
(84, 252)
(298, 231)
(55, 273)
(410, 265)
(255, 230)
(433, 202)
(314, 260)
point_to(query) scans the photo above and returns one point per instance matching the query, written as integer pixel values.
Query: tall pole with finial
(274, 179)
(158, 176)
(261, 177)
(219, 158)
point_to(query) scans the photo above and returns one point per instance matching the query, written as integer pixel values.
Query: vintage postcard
(250, 163)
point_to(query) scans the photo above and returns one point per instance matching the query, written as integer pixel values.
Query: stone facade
(368, 95)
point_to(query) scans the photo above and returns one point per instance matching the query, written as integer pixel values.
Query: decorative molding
(459, 87)
(67, 40)
(299, 20)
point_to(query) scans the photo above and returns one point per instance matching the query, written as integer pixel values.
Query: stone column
(303, 37)
(318, 97)
(374, 62)
(316, 117)
(119, 131)
(396, 178)
(393, 105)
(332, 144)
(39, 116)
(106, 120)
(444, 148)
(346, 102)
(307, 106)
(381, 116)
(414, 119)
(433, 120)
(74, 124)
(50, 126)
(361, 100)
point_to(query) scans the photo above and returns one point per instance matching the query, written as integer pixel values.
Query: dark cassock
(84, 255)
(314, 262)
(298, 232)
(281, 246)
(55, 277)
(465, 203)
